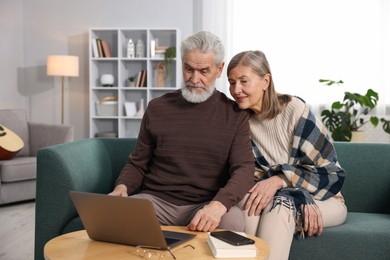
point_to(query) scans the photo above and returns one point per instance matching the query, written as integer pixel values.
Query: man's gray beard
(197, 98)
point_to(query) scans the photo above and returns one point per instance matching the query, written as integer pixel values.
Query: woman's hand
(261, 194)
(313, 224)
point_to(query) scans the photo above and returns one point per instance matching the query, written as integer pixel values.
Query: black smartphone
(232, 238)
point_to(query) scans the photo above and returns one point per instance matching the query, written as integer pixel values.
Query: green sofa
(93, 165)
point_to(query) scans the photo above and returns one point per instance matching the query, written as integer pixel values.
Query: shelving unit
(122, 68)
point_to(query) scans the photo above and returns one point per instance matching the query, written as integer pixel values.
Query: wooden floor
(17, 223)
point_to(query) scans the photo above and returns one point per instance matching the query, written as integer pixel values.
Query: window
(307, 40)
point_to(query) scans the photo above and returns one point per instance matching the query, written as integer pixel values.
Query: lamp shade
(63, 65)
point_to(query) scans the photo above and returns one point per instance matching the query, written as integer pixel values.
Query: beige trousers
(277, 227)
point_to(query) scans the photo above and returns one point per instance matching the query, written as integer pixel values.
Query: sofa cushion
(16, 121)
(362, 236)
(18, 169)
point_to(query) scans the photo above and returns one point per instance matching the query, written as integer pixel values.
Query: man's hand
(120, 190)
(261, 194)
(208, 218)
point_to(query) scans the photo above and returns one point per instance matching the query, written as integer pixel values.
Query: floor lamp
(64, 66)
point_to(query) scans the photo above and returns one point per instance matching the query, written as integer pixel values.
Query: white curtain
(305, 40)
(210, 15)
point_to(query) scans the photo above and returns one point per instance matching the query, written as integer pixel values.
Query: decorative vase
(140, 49)
(130, 49)
(141, 109)
(131, 83)
(161, 69)
(107, 80)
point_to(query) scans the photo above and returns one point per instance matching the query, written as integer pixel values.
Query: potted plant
(350, 114)
(131, 81)
(169, 56)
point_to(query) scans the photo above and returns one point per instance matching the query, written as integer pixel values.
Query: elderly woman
(298, 178)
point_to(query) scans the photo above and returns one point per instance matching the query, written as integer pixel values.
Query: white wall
(32, 30)
(11, 53)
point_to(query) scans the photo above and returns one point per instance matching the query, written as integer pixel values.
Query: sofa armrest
(43, 135)
(83, 165)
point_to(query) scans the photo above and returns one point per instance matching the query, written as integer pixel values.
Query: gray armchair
(18, 175)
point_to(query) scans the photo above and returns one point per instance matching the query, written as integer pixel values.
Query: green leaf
(373, 94)
(337, 105)
(386, 125)
(329, 82)
(330, 119)
(370, 99)
(374, 120)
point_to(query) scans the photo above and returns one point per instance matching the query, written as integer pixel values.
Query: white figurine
(140, 52)
(130, 49)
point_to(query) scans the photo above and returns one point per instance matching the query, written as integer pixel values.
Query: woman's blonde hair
(273, 103)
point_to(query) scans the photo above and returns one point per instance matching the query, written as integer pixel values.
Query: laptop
(124, 220)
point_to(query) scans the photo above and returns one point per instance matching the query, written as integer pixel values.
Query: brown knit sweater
(189, 153)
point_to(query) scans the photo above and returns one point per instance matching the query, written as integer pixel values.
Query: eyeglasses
(151, 254)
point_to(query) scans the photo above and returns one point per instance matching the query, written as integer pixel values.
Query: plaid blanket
(312, 168)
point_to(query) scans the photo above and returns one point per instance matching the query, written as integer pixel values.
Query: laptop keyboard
(170, 241)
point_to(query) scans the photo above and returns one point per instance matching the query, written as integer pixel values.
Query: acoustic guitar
(10, 143)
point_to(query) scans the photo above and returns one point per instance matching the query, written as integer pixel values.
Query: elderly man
(193, 156)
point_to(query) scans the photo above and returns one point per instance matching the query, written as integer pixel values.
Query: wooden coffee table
(77, 245)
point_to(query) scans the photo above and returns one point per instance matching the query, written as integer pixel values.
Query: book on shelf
(161, 48)
(157, 51)
(106, 49)
(160, 51)
(143, 79)
(138, 79)
(221, 249)
(95, 52)
(100, 47)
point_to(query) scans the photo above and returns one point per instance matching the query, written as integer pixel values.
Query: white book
(95, 52)
(221, 249)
